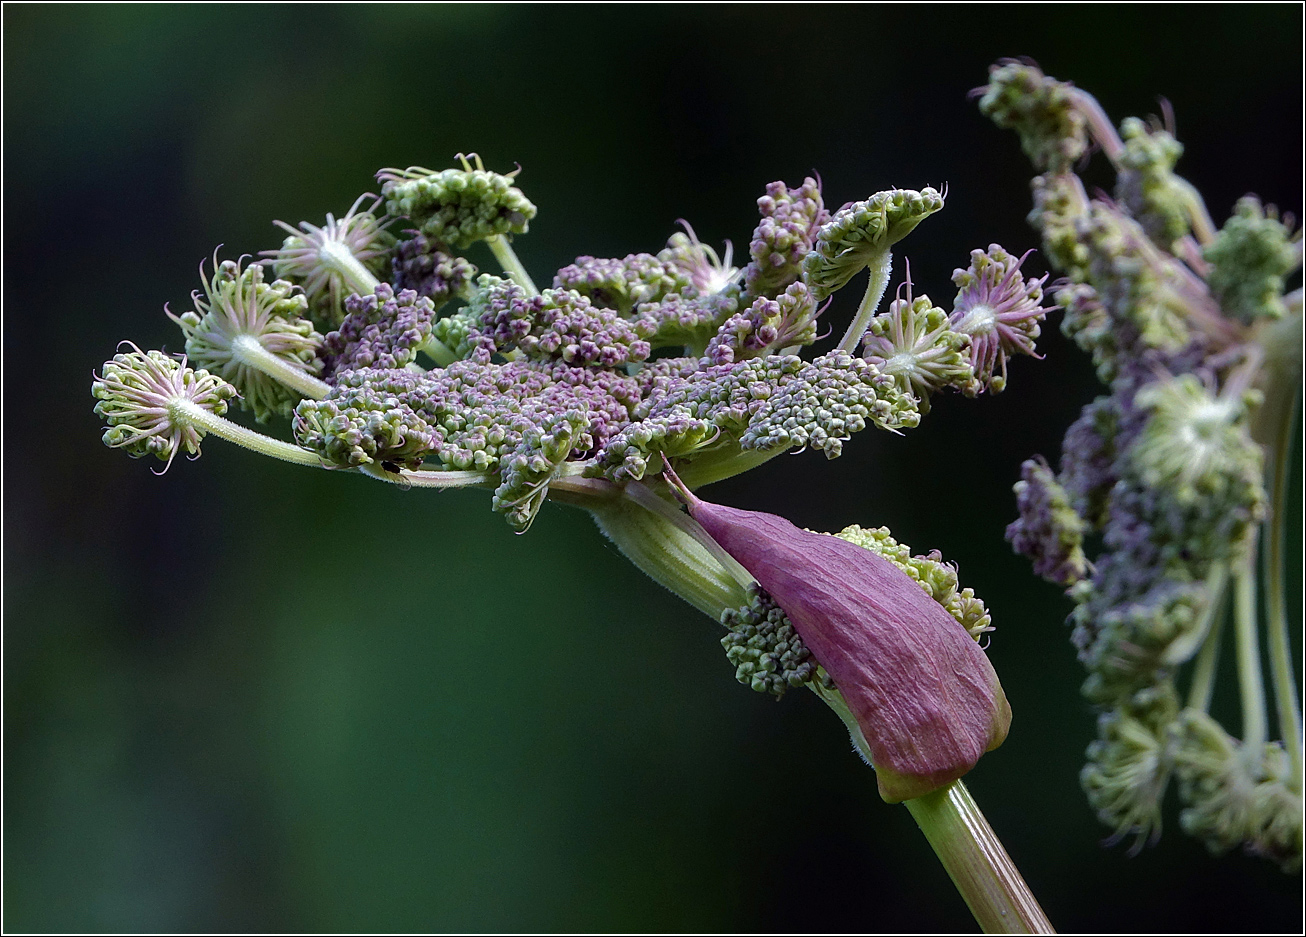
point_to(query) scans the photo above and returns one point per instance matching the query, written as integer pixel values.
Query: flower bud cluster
(383, 330)
(858, 232)
(422, 265)
(457, 207)
(791, 219)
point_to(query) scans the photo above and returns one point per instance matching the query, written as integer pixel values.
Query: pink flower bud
(925, 696)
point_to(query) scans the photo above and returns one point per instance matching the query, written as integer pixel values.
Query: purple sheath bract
(923, 692)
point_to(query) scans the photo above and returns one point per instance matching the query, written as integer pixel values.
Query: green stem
(712, 465)
(187, 411)
(507, 258)
(250, 352)
(881, 268)
(1184, 647)
(663, 550)
(439, 352)
(1199, 694)
(1100, 127)
(1285, 687)
(977, 863)
(971, 853)
(340, 260)
(451, 478)
(1249, 660)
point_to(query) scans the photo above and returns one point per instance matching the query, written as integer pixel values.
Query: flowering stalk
(977, 863)
(625, 375)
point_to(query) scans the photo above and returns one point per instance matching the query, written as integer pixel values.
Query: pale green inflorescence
(333, 260)
(1173, 474)
(1250, 259)
(862, 232)
(138, 393)
(914, 344)
(239, 314)
(457, 207)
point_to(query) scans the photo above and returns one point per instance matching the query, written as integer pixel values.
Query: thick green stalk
(341, 260)
(881, 269)
(669, 555)
(250, 352)
(971, 853)
(189, 412)
(977, 863)
(507, 258)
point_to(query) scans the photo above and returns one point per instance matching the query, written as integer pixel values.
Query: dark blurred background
(247, 696)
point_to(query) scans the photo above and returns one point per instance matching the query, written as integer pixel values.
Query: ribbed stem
(670, 556)
(881, 269)
(977, 863)
(1285, 686)
(340, 260)
(971, 853)
(453, 478)
(1249, 660)
(248, 351)
(507, 258)
(187, 411)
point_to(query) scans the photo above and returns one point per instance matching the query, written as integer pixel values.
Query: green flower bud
(1251, 255)
(860, 235)
(1040, 109)
(457, 207)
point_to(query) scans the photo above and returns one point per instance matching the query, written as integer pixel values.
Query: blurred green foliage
(244, 696)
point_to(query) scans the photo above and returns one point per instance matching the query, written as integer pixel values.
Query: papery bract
(924, 694)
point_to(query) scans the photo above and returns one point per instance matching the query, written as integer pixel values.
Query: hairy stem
(452, 478)
(507, 259)
(250, 352)
(1249, 660)
(977, 863)
(340, 259)
(187, 411)
(881, 268)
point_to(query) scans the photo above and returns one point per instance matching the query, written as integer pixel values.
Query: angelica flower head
(915, 344)
(457, 207)
(999, 309)
(145, 397)
(1168, 472)
(334, 260)
(708, 272)
(861, 233)
(243, 327)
